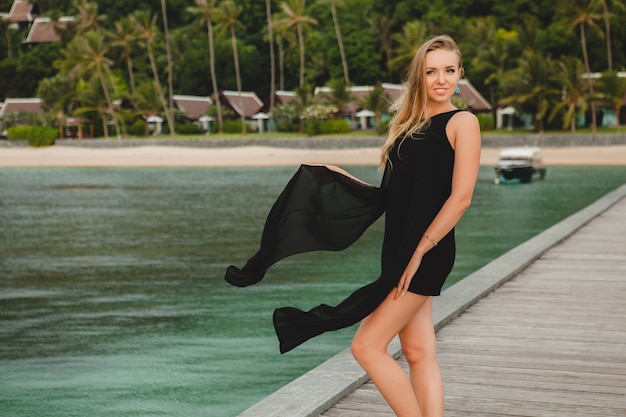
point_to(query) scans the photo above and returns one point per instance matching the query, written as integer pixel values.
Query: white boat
(521, 163)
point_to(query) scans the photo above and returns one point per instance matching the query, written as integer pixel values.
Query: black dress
(321, 209)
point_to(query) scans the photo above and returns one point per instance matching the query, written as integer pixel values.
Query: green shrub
(35, 135)
(383, 127)
(326, 127)
(234, 126)
(485, 121)
(138, 128)
(188, 129)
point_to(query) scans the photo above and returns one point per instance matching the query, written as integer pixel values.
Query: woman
(434, 151)
(431, 161)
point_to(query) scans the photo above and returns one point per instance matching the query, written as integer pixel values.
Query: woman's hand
(407, 275)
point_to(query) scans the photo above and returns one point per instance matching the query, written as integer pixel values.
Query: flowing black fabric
(321, 209)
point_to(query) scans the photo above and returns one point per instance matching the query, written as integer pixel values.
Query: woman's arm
(464, 133)
(343, 172)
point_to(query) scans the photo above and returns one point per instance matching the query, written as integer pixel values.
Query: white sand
(168, 156)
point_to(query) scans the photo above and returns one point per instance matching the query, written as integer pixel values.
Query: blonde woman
(434, 152)
(431, 160)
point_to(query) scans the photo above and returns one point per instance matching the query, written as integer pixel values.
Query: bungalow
(195, 108)
(19, 105)
(280, 97)
(26, 105)
(45, 30)
(475, 101)
(21, 14)
(246, 105)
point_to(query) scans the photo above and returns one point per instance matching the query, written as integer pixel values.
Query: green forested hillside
(522, 52)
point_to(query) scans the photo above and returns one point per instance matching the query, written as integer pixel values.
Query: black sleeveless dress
(321, 209)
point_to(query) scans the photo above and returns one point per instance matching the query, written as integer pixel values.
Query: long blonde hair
(411, 108)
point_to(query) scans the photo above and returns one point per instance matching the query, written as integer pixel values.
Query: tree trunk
(170, 79)
(233, 37)
(344, 62)
(583, 41)
(216, 93)
(157, 82)
(281, 65)
(270, 34)
(107, 96)
(301, 43)
(607, 28)
(131, 76)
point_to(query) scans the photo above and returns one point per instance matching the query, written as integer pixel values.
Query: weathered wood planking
(551, 342)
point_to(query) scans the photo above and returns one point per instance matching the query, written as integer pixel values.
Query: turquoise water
(112, 301)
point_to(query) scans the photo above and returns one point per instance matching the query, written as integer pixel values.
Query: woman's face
(442, 75)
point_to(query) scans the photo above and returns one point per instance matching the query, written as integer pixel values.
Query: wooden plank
(550, 342)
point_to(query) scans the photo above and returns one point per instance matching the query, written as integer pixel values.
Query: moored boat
(520, 163)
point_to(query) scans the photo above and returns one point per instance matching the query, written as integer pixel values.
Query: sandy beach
(170, 156)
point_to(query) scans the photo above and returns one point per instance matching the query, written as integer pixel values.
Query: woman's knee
(363, 350)
(419, 352)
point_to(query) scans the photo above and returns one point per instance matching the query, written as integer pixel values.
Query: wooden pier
(547, 340)
(550, 342)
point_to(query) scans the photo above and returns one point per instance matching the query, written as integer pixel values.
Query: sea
(112, 298)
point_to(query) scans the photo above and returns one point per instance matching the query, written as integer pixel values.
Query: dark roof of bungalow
(194, 107)
(30, 105)
(247, 104)
(45, 30)
(361, 92)
(280, 97)
(475, 101)
(21, 12)
(283, 96)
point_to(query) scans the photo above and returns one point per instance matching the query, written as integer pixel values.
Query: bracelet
(433, 241)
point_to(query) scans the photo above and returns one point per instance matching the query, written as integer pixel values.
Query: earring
(458, 90)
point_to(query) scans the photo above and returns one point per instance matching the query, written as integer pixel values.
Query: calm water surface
(112, 301)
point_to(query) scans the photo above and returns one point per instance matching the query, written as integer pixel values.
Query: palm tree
(87, 17)
(91, 99)
(87, 55)
(606, 16)
(270, 35)
(148, 34)
(281, 36)
(412, 37)
(170, 77)
(382, 26)
(573, 96)
(584, 16)
(495, 51)
(531, 86)
(344, 61)
(204, 10)
(124, 37)
(340, 95)
(295, 17)
(228, 16)
(613, 91)
(377, 101)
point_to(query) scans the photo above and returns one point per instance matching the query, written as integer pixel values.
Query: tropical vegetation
(534, 55)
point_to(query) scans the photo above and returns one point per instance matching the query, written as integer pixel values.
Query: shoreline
(262, 156)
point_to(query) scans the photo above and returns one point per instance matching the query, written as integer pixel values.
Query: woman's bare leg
(369, 348)
(420, 350)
